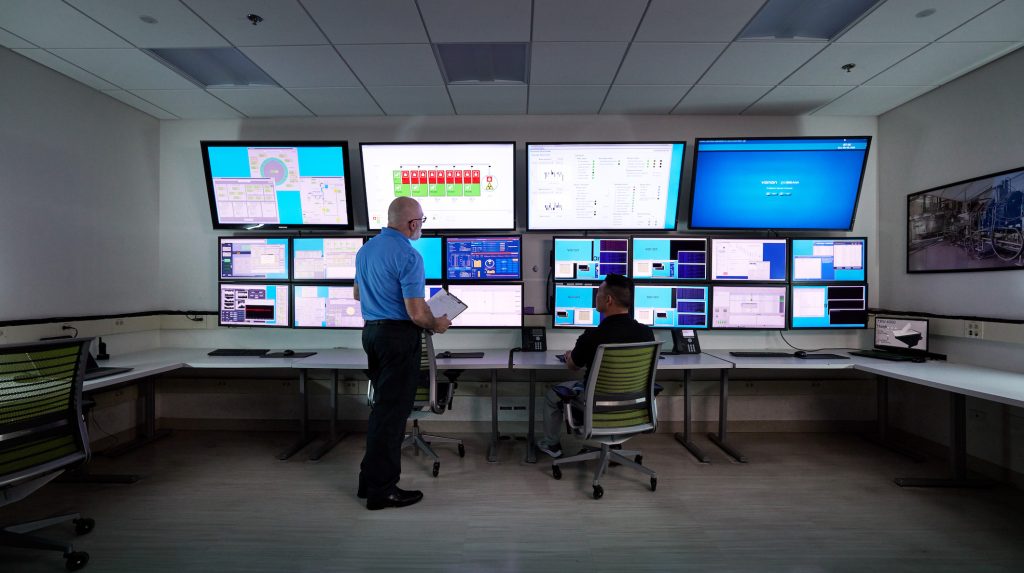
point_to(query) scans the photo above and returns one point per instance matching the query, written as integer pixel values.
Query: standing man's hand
(441, 324)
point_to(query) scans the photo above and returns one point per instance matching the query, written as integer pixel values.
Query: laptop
(899, 339)
(94, 370)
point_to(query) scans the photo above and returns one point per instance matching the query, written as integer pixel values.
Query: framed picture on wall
(971, 225)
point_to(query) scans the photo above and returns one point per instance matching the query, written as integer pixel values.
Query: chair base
(605, 456)
(422, 443)
(17, 535)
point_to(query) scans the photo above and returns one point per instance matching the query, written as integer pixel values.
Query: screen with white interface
(901, 334)
(670, 258)
(325, 306)
(613, 186)
(671, 306)
(489, 305)
(748, 307)
(459, 185)
(265, 259)
(829, 306)
(748, 259)
(575, 305)
(253, 305)
(326, 258)
(827, 260)
(474, 258)
(590, 258)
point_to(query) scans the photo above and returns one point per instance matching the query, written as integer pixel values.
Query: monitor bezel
(906, 351)
(695, 165)
(679, 190)
(792, 266)
(554, 289)
(322, 284)
(711, 298)
(288, 254)
(826, 284)
(707, 259)
(665, 284)
(710, 259)
(444, 257)
(295, 278)
(343, 144)
(522, 301)
(602, 237)
(285, 285)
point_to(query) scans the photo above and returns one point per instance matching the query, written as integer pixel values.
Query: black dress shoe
(397, 498)
(361, 492)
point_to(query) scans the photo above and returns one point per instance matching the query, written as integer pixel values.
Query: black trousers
(393, 352)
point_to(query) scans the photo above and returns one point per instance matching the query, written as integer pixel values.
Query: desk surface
(782, 362)
(548, 361)
(353, 359)
(977, 381)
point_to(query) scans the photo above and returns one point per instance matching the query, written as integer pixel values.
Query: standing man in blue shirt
(390, 288)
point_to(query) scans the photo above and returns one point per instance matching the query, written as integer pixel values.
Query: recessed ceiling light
(503, 63)
(214, 67)
(819, 20)
(148, 19)
(925, 13)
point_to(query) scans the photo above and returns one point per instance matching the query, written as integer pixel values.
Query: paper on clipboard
(443, 302)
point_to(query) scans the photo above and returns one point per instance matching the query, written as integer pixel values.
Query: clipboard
(443, 302)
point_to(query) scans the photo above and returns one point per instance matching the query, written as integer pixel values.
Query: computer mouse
(288, 353)
(800, 353)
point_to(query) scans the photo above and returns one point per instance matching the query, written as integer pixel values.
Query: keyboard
(883, 355)
(104, 371)
(238, 352)
(444, 355)
(762, 354)
(823, 356)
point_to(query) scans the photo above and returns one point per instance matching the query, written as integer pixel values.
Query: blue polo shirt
(388, 271)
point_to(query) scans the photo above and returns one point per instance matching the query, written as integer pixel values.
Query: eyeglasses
(421, 220)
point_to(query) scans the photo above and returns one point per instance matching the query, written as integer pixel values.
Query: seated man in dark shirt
(613, 300)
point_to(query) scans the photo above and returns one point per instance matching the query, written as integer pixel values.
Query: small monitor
(430, 249)
(828, 260)
(670, 258)
(829, 306)
(590, 258)
(748, 307)
(489, 305)
(761, 260)
(254, 258)
(901, 334)
(477, 258)
(254, 305)
(576, 305)
(326, 306)
(671, 306)
(326, 258)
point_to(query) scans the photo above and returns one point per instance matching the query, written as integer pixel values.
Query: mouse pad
(281, 355)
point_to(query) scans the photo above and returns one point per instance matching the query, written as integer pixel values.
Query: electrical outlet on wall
(974, 329)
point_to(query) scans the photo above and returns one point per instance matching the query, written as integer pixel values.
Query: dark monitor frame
(444, 257)
(285, 285)
(707, 258)
(667, 284)
(593, 284)
(288, 268)
(738, 284)
(601, 237)
(791, 268)
(823, 284)
(522, 300)
(293, 321)
(321, 281)
(711, 257)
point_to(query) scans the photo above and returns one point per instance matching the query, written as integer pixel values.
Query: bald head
(404, 215)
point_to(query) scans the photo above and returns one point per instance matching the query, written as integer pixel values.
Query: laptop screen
(901, 334)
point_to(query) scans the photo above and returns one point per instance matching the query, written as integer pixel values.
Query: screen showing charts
(326, 258)
(459, 185)
(590, 258)
(323, 306)
(901, 334)
(275, 185)
(829, 306)
(253, 305)
(671, 306)
(670, 258)
(575, 305)
(614, 186)
(748, 259)
(489, 305)
(825, 260)
(265, 259)
(430, 249)
(784, 183)
(476, 258)
(748, 307)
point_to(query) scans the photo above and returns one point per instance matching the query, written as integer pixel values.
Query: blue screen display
(590, 258)
(483, 258)
(826, 260)
(575, 306)
(777, 183)
(829, 306)
(430, 249)
(667, 306)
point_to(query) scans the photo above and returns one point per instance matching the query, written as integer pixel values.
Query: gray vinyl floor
(220, 501)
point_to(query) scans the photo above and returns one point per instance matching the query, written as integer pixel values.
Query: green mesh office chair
(618, 403)
(42, 433)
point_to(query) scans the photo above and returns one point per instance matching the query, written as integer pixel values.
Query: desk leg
(684, 436)
(492, 451)
(304, 437)
(881, 437)
(957, 452)
(148, 432)
(721, 438)
(334, 437)
(531, 449)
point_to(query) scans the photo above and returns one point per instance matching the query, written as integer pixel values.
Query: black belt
(390, 321)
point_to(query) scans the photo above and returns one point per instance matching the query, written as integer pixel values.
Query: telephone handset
(685, 342)
(535, 339)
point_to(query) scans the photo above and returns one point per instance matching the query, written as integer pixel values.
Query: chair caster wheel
(639, 459)
(556, 472)
(84, 525)
(654, 484)
(76, 560)
(598, 492)
(462, 451)
(437, 468)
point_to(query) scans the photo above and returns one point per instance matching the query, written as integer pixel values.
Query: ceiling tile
(261, 102)
(505, 21)
(604, 20)
(54, 24)
(189, 104)
(795, 100)
(643, 99)
(696, 20)
(825, 69)
(939, 63)
(1003, 23)
(368, 21)
(566, 99)
(139, 104)
(488, 100)
(393, 64)
(722, 100)
(337, 101)
(415, 100)
(129, 69)
(667, 63)
(284, 23)
(759, 63)
(872, 100)
(575, 63)
(68, 69)
(303, 66)
(176, 25)
(898, 21)
(9, 40)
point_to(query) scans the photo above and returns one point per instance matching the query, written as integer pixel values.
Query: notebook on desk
(94, 370)
(899, 340)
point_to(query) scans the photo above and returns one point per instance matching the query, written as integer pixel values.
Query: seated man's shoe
(397, 498)
(553, 450)
(361, 492)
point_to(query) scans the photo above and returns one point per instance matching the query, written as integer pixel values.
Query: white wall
(79, 194)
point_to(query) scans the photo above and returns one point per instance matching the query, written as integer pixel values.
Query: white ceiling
(374, 57)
